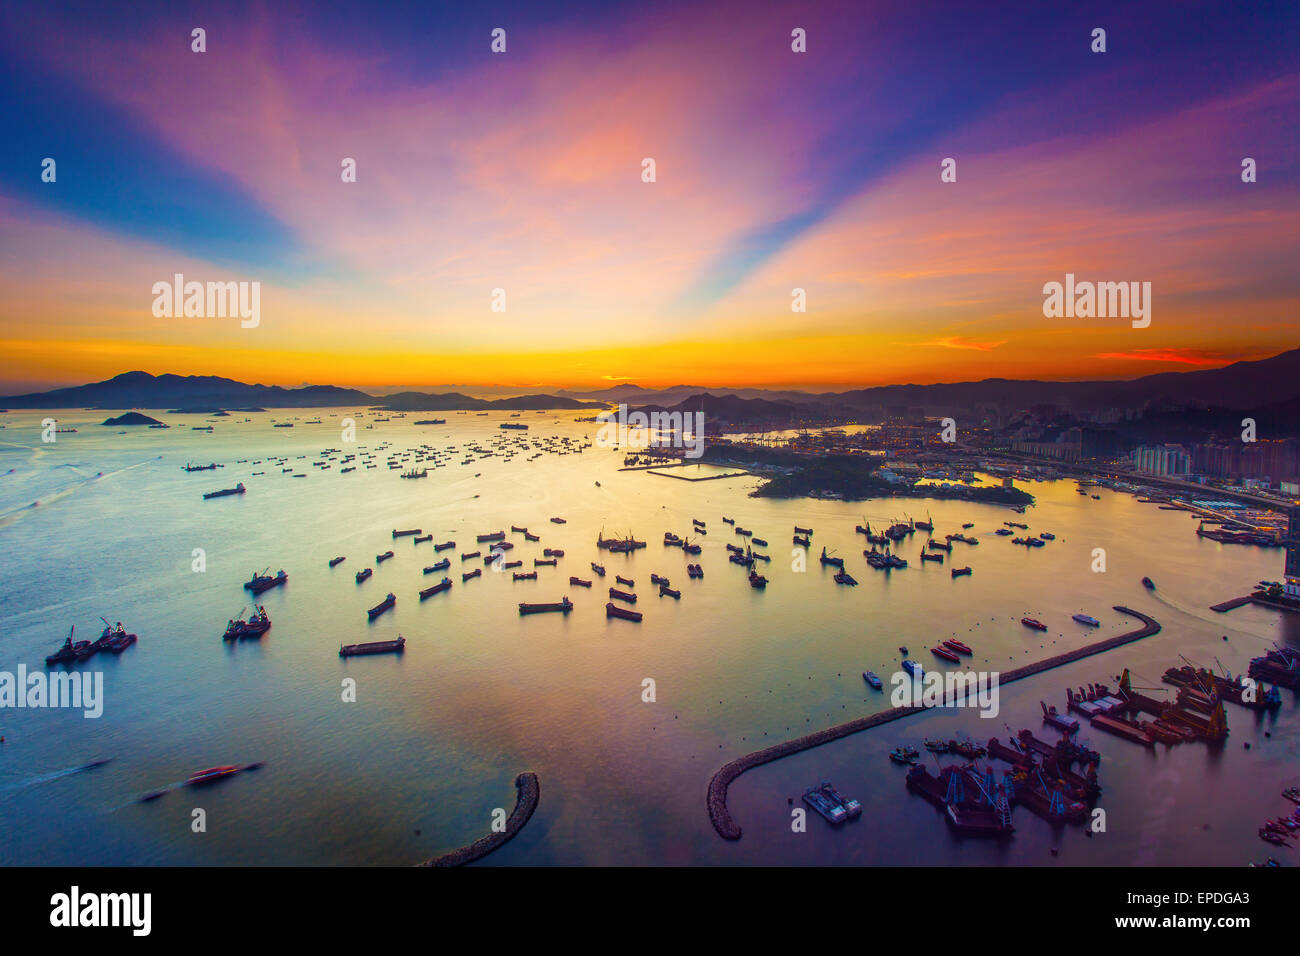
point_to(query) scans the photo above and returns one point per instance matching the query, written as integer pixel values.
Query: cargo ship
(613, 610)
(381, 558)
(438, 588)
(374, 647)
(264, 582)
(622, 595)
(237, 490)
(470, 574)
(525, 575)
(564, 606)
(404, 534)
(362, 575)
(493, 536)
(335, 561)
(945, 654)
(1032, 623)
(442, 565)
(959, 572)
(578, 582)
(382, 606)
(872, 680)
(1087, 619)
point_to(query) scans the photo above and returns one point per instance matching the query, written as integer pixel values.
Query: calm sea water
(430, 748)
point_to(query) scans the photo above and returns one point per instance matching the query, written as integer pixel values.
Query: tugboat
(1148, 584)
(70, 651)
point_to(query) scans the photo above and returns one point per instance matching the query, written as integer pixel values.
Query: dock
(716, 800)
(1231, 604)
(528, 792)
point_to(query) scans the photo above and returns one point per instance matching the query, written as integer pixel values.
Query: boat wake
(84, 479)
(54, 775)
(1221, 622)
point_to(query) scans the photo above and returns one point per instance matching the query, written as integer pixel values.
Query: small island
(131, 418)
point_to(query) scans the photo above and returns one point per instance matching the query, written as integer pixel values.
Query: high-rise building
(1168, 460)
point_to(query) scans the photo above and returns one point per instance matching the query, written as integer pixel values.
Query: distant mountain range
(206, 392)
(1267, 383)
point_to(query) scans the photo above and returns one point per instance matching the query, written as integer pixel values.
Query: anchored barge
(564, 607)
(374, 647)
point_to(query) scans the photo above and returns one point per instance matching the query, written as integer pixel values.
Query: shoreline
(716, 800)
(528, 792)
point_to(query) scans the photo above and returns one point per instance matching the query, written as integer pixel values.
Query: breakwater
(528, 792)
(720, 815)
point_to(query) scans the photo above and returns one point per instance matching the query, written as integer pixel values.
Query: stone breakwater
(528, 793)
(721, 817)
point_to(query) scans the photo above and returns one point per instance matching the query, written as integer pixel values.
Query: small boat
(564, 606)
(946, 654)
(578, 582)
(1086, 619)
(899, 755)
(442, 585)
(362, 575)
(382, 606)
(959, 572)
(470, 574)
(1292, 794)
(902, 650)
(373, 647)
(956, 645)
(334, 561)
(380, 558)
(613, 610)
(598, 568)
(757, 581)
(1148, 584)
(442, 565)
(871, 678)
(210, 775)
(1035, 624)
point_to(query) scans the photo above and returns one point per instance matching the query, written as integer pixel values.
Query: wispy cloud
(958, 342)
(1182, 356)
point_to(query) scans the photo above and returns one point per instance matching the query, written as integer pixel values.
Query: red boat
(211, 774)
(1036, 625)
(613, 610)
(946, 654)
(958, 646)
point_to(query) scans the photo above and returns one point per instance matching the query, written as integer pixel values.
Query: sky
(522, 171)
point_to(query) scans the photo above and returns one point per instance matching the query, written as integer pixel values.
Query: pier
(528, 793)
(721, 817)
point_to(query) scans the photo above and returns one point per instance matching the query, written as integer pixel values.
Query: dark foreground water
(435, 738)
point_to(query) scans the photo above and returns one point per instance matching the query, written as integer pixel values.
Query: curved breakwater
(528, 793)
(720, 815)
